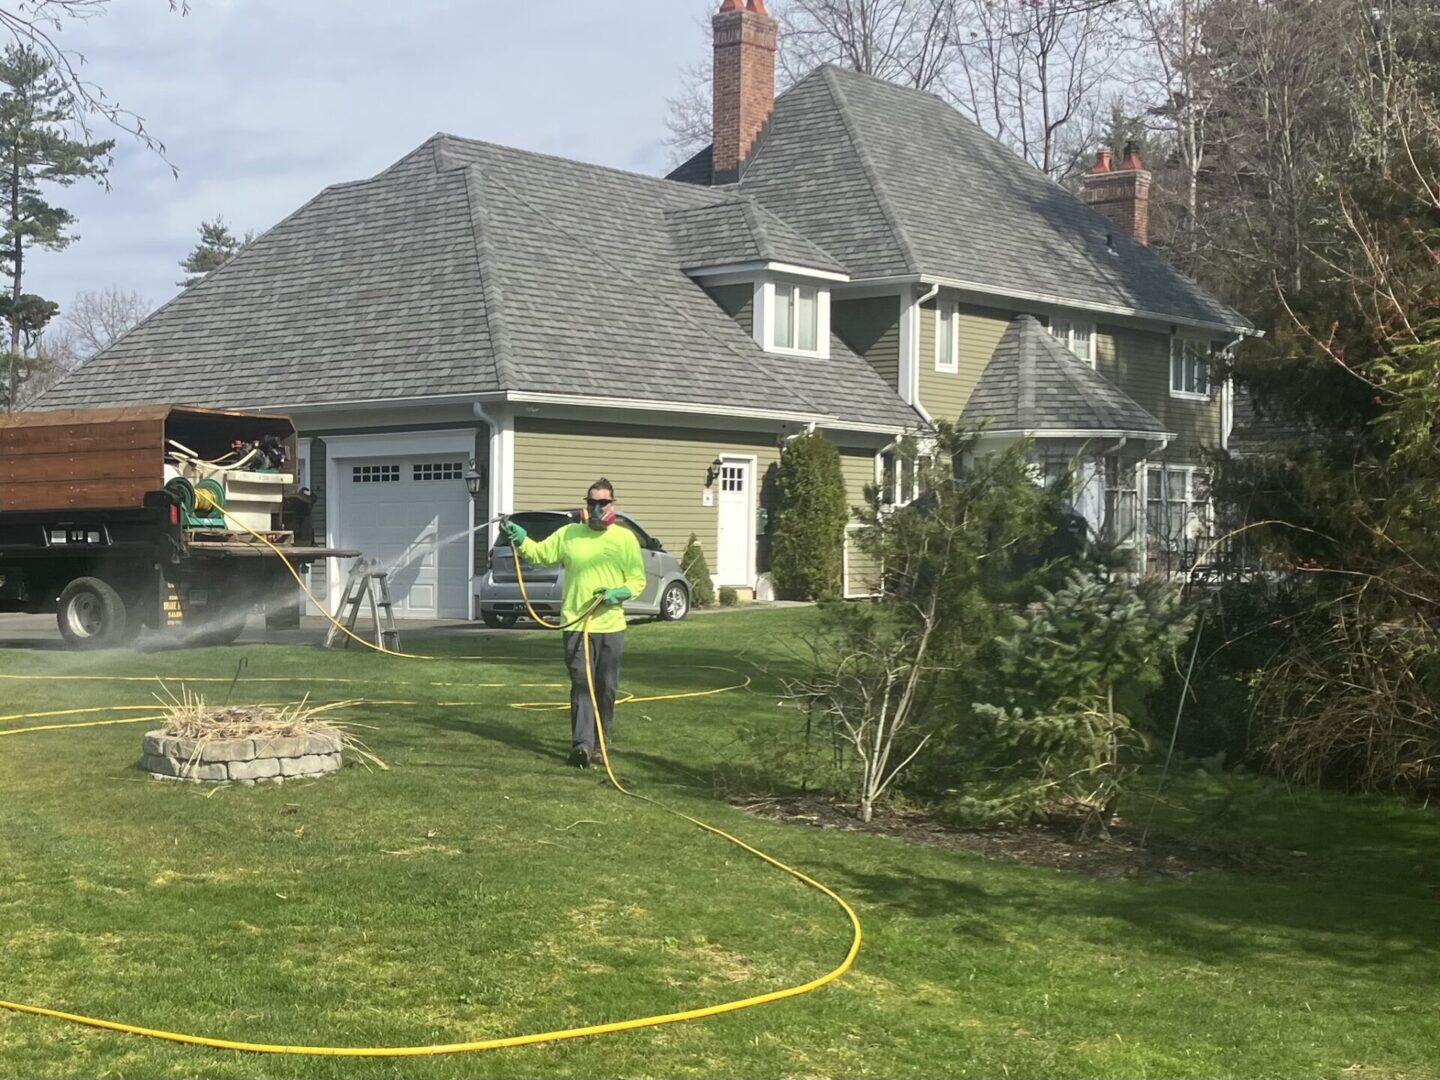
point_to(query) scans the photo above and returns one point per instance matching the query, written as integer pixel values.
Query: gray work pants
(605, 652)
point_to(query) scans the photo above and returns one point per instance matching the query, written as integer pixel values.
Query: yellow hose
(513, 1040)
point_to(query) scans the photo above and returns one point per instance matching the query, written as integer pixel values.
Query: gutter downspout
(786, 440)
(1227, 401)
(914, 397)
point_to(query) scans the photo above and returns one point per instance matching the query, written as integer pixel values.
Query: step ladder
(366, 583)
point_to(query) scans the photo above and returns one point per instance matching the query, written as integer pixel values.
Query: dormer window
(793, 317)
(1078, 337)
(797, 317)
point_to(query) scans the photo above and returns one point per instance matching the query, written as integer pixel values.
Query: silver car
(666, 595)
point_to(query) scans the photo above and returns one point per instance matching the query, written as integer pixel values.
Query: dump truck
(151, 517)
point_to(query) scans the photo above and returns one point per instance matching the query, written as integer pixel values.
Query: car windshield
(537, 526)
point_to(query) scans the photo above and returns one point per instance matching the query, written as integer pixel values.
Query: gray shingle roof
(894, 181)
(1034, 384)
(469, 268)
(318, 308)
(739, 230)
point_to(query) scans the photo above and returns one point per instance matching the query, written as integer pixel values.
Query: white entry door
(735, 542)
(412, 514)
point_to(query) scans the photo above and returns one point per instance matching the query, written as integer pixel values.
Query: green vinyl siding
(871, 327)
(859, 469)
(944, 394)
(1138, 362)
(862, 570)
(658, 473)
(737, 301)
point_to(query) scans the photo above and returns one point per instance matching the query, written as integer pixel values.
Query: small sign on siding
(707, 497)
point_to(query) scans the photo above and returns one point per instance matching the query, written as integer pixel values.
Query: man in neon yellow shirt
(601, 560)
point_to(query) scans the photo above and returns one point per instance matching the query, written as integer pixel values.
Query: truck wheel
(91, 615)
(675, 602)
(496, 621)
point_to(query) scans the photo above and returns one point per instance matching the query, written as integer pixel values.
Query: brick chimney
(1122, 195)
(745, 37)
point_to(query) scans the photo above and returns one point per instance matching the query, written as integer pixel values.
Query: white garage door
(411, 513)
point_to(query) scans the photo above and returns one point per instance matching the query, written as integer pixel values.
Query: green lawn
(480, 889)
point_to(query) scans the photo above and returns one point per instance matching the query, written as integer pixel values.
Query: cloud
(263, 103)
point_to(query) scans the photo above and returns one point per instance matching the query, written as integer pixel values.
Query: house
(852, 258)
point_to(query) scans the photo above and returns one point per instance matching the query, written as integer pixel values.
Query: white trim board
(371, 412)
(760, 266)
(983, 294)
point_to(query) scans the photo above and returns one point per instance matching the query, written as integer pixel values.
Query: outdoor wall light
(713, 472)
(474, 479)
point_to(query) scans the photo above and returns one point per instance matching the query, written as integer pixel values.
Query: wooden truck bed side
(98, 458)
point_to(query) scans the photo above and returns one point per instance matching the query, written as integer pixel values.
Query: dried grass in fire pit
(189, 717)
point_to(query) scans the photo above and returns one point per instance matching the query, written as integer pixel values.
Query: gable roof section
(473, 268)
(594, 301)
(740, 230)
(894, 181)
(1035, 385)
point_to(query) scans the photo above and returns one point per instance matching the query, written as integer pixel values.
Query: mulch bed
(1054, 844)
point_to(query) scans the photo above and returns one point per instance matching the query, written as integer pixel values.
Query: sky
(263, 103)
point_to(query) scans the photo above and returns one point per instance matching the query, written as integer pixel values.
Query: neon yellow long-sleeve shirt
(593, 559)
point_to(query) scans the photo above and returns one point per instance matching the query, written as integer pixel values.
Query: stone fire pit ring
(256, 760)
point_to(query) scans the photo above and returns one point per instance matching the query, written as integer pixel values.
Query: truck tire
(91, 615)
(495, 620)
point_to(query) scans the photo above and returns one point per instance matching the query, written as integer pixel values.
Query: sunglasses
(600, 502)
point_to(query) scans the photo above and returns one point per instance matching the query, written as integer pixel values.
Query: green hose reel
(200, 504)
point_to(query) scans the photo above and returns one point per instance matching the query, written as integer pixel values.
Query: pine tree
(217, 246)
(35, 106)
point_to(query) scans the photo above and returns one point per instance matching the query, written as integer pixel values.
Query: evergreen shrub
(697, 573)
(811, 514)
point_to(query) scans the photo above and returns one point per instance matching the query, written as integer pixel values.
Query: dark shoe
(579, 758)
(598, 759)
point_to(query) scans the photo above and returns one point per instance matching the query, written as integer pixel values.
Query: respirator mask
(598, 513)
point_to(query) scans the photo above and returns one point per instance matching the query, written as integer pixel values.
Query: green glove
(516, 534)
(611, 597)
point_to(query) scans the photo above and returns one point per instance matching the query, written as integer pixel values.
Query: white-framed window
(375, 474)
(947, 337)
(1122, 502)
(1078, 337)
(1190, 368)
(1177, 509)
(902, 477)
(732, 478)
(302, 463)
(438, 470)
(797, 317)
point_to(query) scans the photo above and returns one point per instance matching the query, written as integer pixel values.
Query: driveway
(40, 631)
